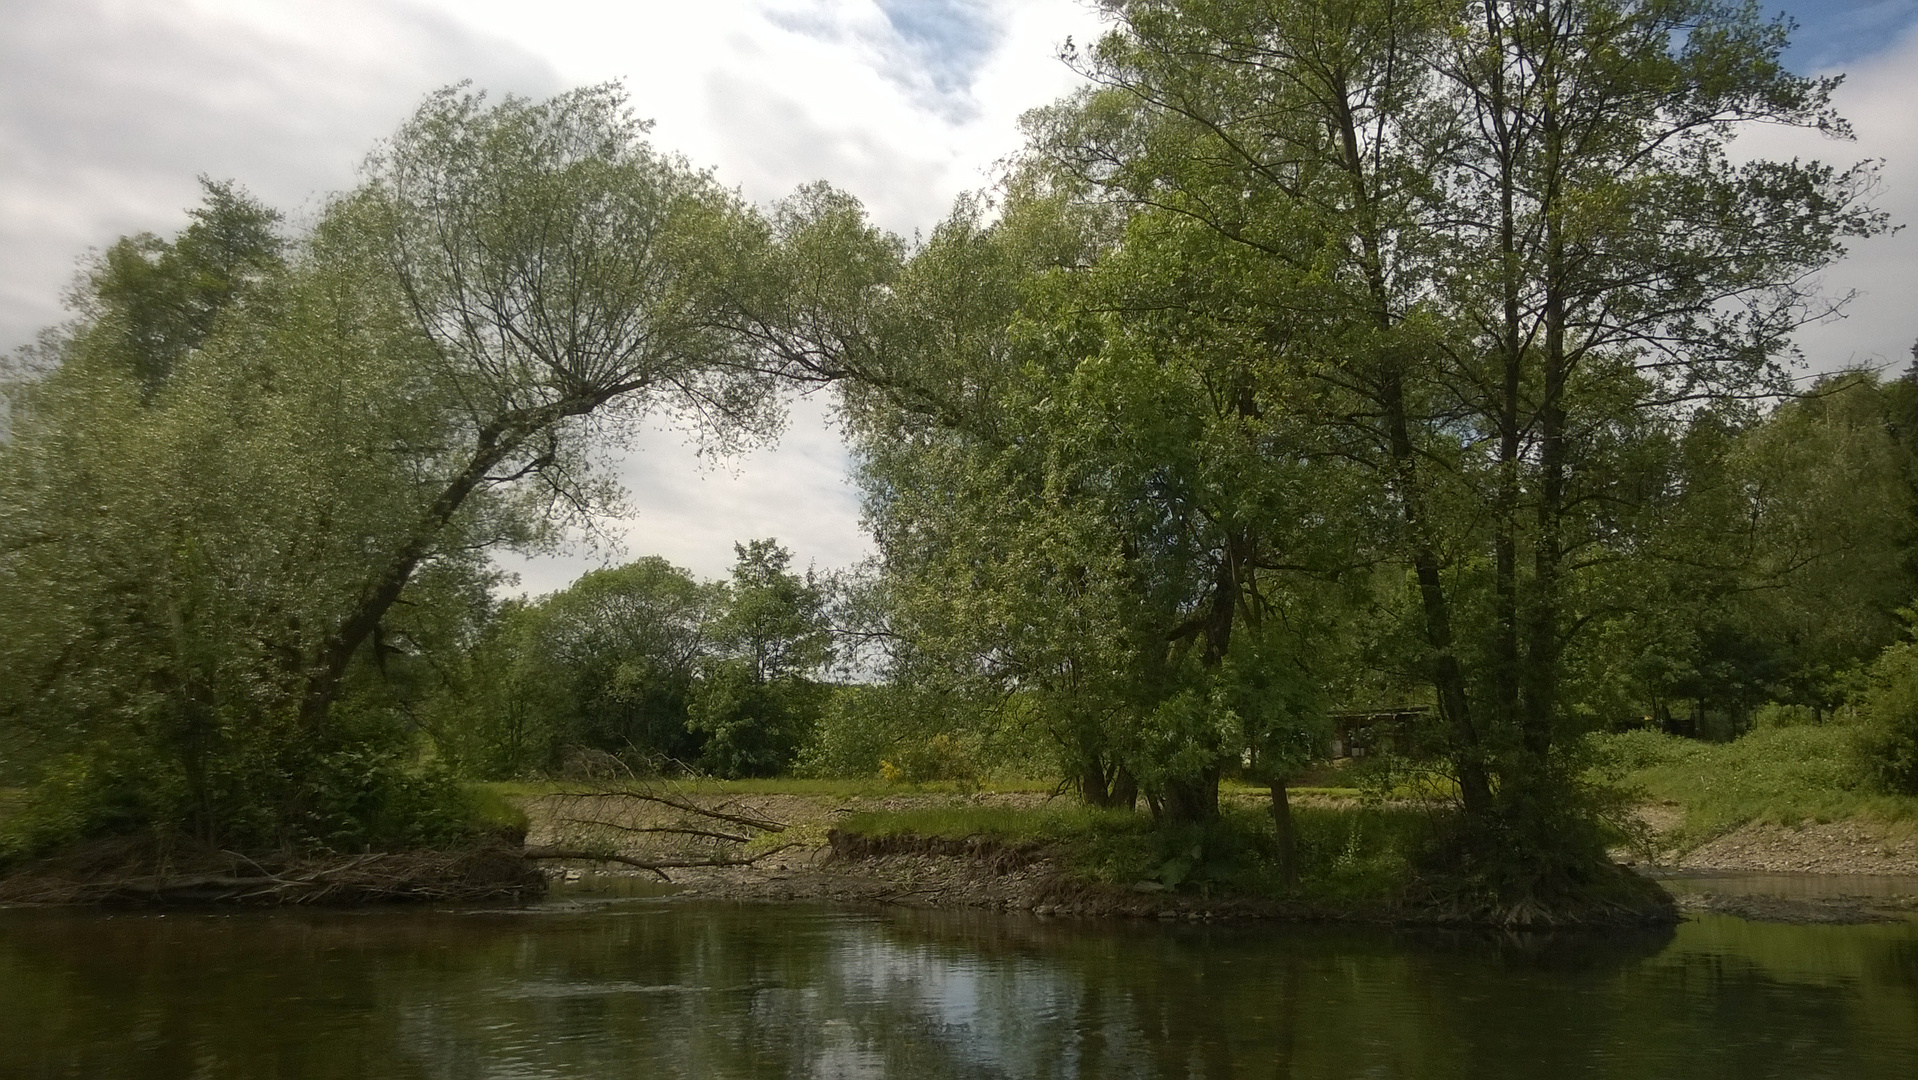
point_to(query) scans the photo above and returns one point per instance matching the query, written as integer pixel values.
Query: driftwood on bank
(649, 827)
(657, 867)
(124, 873)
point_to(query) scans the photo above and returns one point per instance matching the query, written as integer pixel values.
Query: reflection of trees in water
(748, 991)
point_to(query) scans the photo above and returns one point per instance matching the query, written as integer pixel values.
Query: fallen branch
(656, 866)
(678, 803)
(675, 830)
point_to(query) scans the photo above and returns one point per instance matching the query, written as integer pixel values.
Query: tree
(1769, 565)
(1502, 245)
(167, 547)
(555, 269)
(756, 701)
(1086, 534)
(607, 664)
(259, 484)
(157, 300)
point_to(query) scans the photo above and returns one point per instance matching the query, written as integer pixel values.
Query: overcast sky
(109, 109)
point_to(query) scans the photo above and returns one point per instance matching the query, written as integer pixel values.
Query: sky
(110, 109)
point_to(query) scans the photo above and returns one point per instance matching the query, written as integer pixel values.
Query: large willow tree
(261, 473)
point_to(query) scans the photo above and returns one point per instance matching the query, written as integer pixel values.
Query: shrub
(1887, 744)
(1774, 715)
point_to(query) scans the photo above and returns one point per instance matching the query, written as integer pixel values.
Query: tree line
(1315, 356)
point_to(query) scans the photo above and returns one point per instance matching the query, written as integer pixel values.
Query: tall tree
(1527, 249)
(555, 269)
(256, 463)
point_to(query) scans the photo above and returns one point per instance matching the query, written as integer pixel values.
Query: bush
(1774, 715)
(265, 790)
(1887, 744)
(1785, 775)
(899, 734)
(753, 727)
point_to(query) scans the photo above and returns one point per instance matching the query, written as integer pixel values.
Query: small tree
(1888, 742)
(756, 701)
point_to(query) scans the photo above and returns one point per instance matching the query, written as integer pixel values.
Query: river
(659, 988)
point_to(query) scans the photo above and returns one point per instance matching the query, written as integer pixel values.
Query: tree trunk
(495, 442)
(1125, 790)
(1448, 678)
(1288, 841)
(1193, 799)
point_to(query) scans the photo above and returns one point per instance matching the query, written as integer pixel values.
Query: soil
(1858, 846)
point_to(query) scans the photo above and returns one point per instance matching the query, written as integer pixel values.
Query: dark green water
(678, 989)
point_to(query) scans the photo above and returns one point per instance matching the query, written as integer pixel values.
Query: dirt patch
(566, 819)
(1859, 846)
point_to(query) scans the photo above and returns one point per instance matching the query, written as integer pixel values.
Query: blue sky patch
(1837, 33)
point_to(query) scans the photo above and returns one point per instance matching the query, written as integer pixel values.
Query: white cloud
(110, 108)
(692, 510)
(1878, 327)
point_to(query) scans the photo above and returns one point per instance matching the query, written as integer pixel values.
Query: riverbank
(1776, 800)
(1032, 851)
(1021, 848)
(1029, 850)
(124, 870)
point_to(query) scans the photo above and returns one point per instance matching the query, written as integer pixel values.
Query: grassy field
(1783, 775)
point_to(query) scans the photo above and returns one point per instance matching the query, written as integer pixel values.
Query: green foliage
(1785, 609)
(916, 734)
(1785, 775)
(645, 663)
(752, 727)
(246, 500)
(1774, 715)
(857, 731)
(157, 300)
(1351, 857)
(755, 703)
(1888, 741)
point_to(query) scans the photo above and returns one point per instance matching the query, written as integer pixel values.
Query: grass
(12, 801)
(494, 811)
(1347, 857)
(1783, 775)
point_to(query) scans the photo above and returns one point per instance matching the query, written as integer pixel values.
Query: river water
(672, 988)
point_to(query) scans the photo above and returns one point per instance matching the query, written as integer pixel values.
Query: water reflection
(675, 989)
